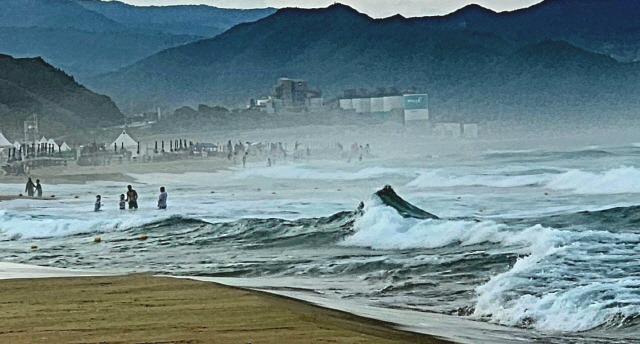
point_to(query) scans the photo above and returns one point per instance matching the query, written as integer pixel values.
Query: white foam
(441, 178)
(23, 226)
(302, 172)
(614, 181)
(536, 293)
(381, 227)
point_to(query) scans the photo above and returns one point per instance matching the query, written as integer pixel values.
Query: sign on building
(416, 107)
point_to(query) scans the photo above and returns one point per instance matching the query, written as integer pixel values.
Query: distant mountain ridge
(86, 37)
(470, 75)
(608, 27)
(31, 85)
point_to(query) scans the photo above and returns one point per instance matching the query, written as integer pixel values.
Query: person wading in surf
(162, 200)
(30, 188)
(132, 197)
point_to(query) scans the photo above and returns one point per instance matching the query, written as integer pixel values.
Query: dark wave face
(389, 197)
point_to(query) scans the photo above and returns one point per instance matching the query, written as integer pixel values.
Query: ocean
(541, 244)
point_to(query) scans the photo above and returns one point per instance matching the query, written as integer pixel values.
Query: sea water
(542, 242)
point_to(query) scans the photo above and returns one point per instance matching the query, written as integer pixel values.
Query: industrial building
(411, 107)
(291, 96)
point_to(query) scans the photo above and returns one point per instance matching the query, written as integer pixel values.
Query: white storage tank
(392, 103)
(346, 104)
(362, 105)
(377, 105)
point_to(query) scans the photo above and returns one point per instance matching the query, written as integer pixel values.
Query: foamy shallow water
(514, 246)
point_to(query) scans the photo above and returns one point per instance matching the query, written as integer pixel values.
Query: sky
(374, 8)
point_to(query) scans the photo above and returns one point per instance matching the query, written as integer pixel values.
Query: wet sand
(146, 309)
(74, 174)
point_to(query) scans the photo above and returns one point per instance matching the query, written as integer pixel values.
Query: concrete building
(290, 95)
(452, 130)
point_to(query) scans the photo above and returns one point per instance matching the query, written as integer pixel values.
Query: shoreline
(54, 306)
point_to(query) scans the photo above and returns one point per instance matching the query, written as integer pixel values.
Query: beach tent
(126, 141)
(55, 145)
(4, 143)
(43, 140)
(17, 145)
(64, 147)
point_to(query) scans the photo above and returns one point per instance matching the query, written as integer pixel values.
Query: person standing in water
(132, 197)
(122, 202)
(98, 203)
(162, 200)
(30, 188)
(38, 188)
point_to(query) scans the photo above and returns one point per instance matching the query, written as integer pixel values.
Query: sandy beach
(147, 309)
(74, 174)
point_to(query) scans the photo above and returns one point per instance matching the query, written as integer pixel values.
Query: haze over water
(543, 239)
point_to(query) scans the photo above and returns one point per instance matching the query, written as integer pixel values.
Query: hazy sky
(374, 8)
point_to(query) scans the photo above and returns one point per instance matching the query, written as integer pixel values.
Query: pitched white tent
(43, 140)
(4, 143)
(127, 142)
(64, 147)
(55, 145)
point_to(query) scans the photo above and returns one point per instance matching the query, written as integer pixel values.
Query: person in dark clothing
(162, 200)
(38, 188)
(98, 203)
(132, 197)
(30, 188)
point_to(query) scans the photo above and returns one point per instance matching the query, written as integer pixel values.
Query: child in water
(122, 202)
(98, 203)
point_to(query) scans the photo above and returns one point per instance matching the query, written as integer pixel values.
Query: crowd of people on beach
(277, 150)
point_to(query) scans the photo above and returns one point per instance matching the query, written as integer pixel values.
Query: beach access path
(48, 305)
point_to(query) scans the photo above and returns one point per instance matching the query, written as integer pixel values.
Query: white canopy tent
(127, 142)
(55, 145)
(4, 143)
(43, 140)
(64, 147)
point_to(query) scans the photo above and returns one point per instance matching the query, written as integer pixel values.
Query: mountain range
(470, 74)
(556, 59)
(89, 37)
(30, 85)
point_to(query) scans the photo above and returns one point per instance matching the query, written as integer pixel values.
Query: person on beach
(30, 188)
(162, 200)
(132, 197)
(268, 162)
(244, 159)
(122, 202)
(98, 203)
(38, 188)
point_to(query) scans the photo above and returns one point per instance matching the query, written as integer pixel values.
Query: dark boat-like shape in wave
(390, 198)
